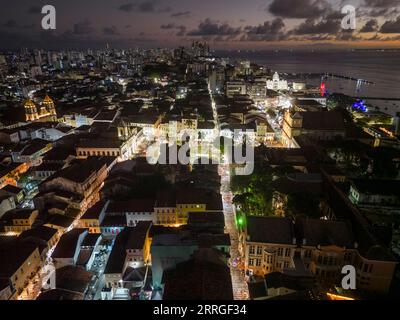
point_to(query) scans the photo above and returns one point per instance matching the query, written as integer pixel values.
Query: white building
(276, 83)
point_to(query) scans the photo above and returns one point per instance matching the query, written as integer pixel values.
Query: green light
(240, 221)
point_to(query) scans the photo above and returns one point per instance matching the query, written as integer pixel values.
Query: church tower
(31, 113)
(49, 106)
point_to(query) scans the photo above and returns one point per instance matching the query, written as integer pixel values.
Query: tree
(302, 203)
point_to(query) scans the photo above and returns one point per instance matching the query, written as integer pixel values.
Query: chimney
(355, 245)
(304, 241)
(294, 240)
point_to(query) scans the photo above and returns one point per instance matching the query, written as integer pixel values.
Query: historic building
(46, 112)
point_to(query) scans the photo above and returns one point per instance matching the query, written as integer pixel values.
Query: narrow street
(240, 289)
(239, 285)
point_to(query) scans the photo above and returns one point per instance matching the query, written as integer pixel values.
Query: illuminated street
(240, 290)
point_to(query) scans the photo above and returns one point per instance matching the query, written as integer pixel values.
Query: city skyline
(266, 24)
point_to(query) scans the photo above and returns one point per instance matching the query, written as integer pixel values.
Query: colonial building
(321, 125)
(276, 83)
(323, 247)
(23, 262)
(172, 206)
(46, 112)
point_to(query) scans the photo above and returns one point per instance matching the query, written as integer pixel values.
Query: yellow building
(11, 173)
(47, 110)
(23, 263)
(172, 206)
(93, 217)
(19, 220)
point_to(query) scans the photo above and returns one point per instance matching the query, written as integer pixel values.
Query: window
(258, 262)
(287, 252)
(251, 262)
(280, 252)
(259, 250)
(251, 249)
(286, 264)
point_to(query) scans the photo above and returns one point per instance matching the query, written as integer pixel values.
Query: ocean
(381, 67)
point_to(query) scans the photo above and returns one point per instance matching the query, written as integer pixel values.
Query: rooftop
(270, 230)
(67, 245)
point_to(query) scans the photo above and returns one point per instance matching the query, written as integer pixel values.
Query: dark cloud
(214, 28)
(10, 24)
(347, 35)
(127, 7)
(391, 26)
(110, 31)
(370, 26)
(34, 10)
(181, 29)
(147, 6)
(181, 14)
(268, 31)
(301, 9)
(82, 28)
(168, 26)
(165, 9)
(382, 3)
(311, 26)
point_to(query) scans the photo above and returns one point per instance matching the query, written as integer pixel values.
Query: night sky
(229, 24)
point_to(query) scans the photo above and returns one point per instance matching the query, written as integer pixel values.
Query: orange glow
(337, 297)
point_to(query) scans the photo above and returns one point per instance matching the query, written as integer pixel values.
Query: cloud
(268, 31)
(391, 26)
(181, 29)
(10, 24)
(214, 28)
(381, 3)
(127, 7)
(168, 26)
(165, 9)
(370, 26)
(311, 26)
(110, 31)
(143, 7)
(34, 10)
(300, 9)
(181, 14)
(82, 28)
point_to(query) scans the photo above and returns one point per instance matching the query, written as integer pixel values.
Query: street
(240, 289)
